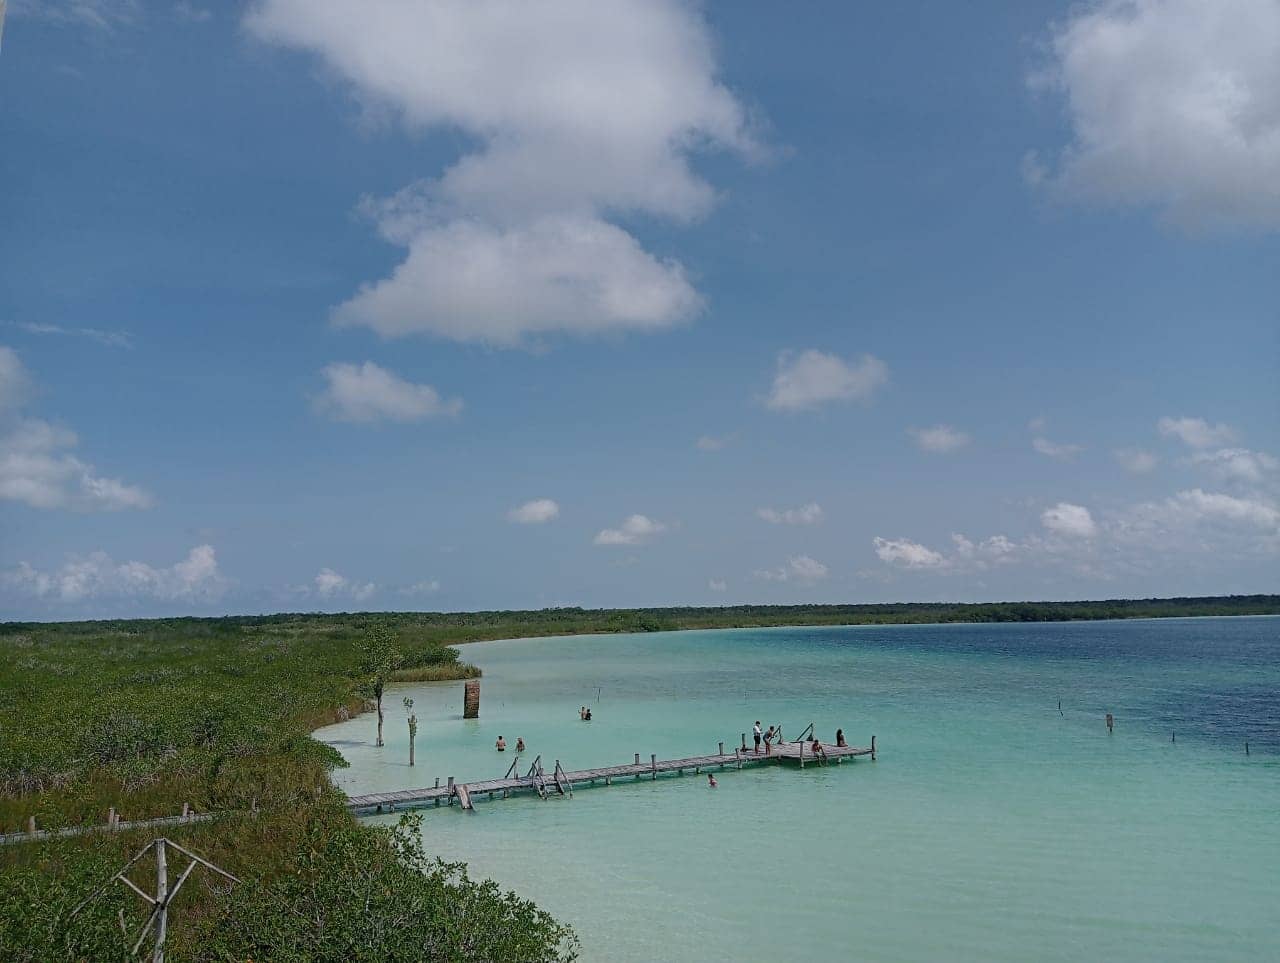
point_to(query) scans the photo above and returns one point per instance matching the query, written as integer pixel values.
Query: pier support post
(471, 699)
(637, 758)
(653, 764)
(720, 748)
(744, 742)
(873, 748)
(801, 753)
(737, 755)
(1110, 723)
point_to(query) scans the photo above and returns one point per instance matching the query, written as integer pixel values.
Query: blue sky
(321, 306)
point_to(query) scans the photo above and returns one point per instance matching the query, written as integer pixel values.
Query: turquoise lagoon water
(992, 827)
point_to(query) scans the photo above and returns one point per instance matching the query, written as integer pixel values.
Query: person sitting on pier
(519, 743)
(501, 744)
(840, 743)
(818, 751)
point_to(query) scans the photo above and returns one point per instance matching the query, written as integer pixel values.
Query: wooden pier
(562, 783)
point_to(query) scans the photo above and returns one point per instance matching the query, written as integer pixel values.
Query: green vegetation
(147, 715)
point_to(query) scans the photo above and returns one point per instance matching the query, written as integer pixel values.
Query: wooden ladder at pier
(562, 780)
(538, 777)
(464, 795)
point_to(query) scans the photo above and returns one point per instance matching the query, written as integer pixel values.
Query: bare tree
(413, 726)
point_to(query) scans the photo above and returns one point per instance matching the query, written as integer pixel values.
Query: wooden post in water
(471, 699)
(873, 748)
(720, 748)
(744, 742)
(1246, 747)
(637, 758)
(737, 755)
(1110, 723)
(653, 764)
(801, 753)
(1173, 736)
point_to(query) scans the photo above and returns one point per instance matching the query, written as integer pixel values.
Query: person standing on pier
(768, 742)
(755, 731)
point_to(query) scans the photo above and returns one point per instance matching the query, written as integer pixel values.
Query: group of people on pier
(775, 732)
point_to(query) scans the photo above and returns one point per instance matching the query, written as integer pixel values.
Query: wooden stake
(162, 900)
(873, 748)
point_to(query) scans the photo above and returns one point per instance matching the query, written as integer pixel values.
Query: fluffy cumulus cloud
(907, 554)
(797, 568)
(1136, 461)
(1237, 464)
(1073, 521)
(37, 463)
(1173, 104)
(1196, 432)
(367, 393)
(939, 439)
(534, 512)
(635, 530)
(1196, 505)
(813, 378)
(809, 514)
(329, 584)
(97, 576)
(966, 555)
(577, 109)
(1053, 449)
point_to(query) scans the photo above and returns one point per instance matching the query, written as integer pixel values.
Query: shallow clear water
(990, 828)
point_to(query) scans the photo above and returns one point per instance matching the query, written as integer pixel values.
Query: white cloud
(1062, 452)
(36, 464)
(718, 585)
(473, 282)
(190, 12)
(797, 568)
(939, 438)
(578, 109)
(367, 393)
(15, 383)
(809, 514)
(812, 378)
(1237, 464)
(1196, 432)
(194, 579)
(1173, 104)
(534, 512)
(713, 443)
(1136, 461)
(907, 554)
(113, 339)
(329, 584)
(636, 530)
(1197, 505)
(426, 587)
(1064, 518)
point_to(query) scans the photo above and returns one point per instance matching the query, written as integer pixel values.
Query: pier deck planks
(790, 751)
